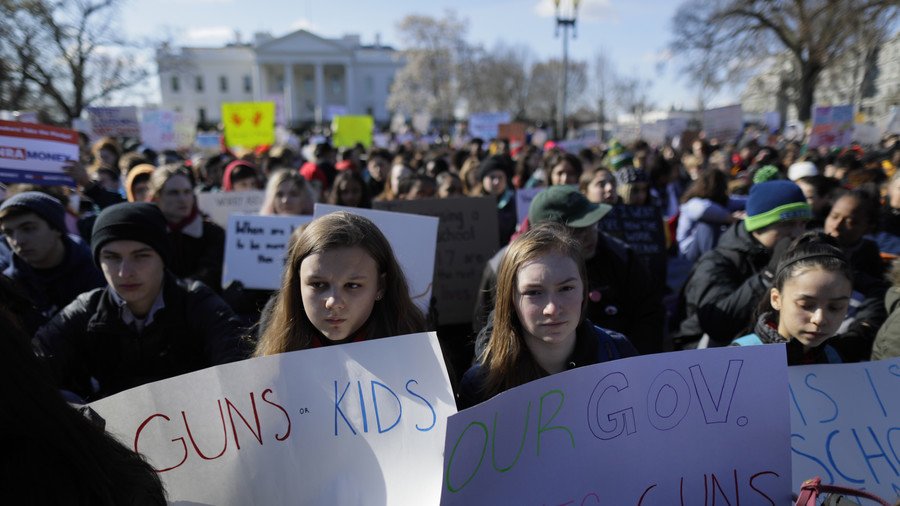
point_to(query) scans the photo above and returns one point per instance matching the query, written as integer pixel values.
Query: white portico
(310, 78)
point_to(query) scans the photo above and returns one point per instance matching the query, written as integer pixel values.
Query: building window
(201, 115)
(370, 85)
(198, 84)
(176, 86)
(336, 85)
(248, 84)
(223, 84)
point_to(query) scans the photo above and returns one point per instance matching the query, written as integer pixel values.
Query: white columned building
(310, 78)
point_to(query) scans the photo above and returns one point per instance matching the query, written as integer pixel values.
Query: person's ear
(382, 281)
(775, 299)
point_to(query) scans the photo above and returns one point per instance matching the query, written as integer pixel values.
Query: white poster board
(486, 124)
(832, 126)
(360, 423)
(845, 425)
(219, 205)
(114, 122)
(414, 241)
(723, 123)
(255, 248)
(693, 427)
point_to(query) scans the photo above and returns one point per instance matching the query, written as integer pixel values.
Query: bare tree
(603, 83)
(544, 82)
(497, 80)
(633, 96)
(722, 39)
(430, 80)
(69, 52)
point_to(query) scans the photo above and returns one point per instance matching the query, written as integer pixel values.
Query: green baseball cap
(566, 205)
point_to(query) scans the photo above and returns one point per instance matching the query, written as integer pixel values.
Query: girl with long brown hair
(341, 284)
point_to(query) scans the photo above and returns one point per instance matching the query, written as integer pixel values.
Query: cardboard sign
(641, 227)
(414, 241)
(691, 427)
(255, 249)
(466, 240)
(361, 423)
(524, 196)
(723, 123)
(349, 130)
(486, 125)
(114, 122)
(36, 154)
(219, 205)
(249, 124)
(513, 132)
(845, 425)
(832, 126)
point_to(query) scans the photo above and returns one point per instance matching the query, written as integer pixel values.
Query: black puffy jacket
(88, 339)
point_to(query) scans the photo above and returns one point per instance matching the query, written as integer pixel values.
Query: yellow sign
(348, 130)
(249, 124)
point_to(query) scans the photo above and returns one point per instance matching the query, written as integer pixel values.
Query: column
(350, 85)
(288, 94)
(257, 82)
(320, 92)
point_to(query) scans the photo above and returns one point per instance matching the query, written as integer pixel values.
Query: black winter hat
(497, 162)
(131, 221)
(46, 207)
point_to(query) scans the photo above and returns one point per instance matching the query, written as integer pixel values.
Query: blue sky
(633, 33)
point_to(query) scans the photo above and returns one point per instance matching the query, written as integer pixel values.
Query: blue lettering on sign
(376, 402)
(44, 156)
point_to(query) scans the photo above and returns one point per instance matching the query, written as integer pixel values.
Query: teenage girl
(540, 326)
(808, 301)
(342, 284)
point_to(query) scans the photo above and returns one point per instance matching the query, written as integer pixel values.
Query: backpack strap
(810, 490)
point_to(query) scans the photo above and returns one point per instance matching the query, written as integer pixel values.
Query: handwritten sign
(255, 249)
(694, 427)
(36, 154)
(723, 123)
(641, 227)
(831, 126)
(349, 130)
(219, 205)
(486, 125)
(114, 121)
(248, 124)
(361, 423)
(414, 241)
(845, 425)
(162, 129)
(466, 240)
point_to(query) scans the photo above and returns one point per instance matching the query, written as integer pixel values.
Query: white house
(310, 78)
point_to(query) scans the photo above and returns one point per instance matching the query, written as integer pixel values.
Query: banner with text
(832, 126)
(845, 425)
(486, 125)
(255, 247)
(414, 241)
(249, 124)
(114, 122)
(36, 154)
(219, 205)
(466, 240)
(723, 123)
(361, 423)
(685, 427)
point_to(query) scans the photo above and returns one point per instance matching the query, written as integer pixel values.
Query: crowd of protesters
(117, 282)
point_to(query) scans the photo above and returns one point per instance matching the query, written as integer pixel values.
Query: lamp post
(566, 13)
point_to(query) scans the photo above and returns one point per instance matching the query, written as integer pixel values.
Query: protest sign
(466, 240)
(158, 129)
(723, 123)
(208, 142)
(641, 227)
(773, 121)
(513, 132)
(255, 248)
(866, 133)
(249, 124)
(524, 196)
(36, 154)
(831, 126)
(348, 130)
(486, 125)
(693, 427)
(845, 425)
(114, 122)
(218, 205)
(361, 423)
(414, 241)
(185, 129)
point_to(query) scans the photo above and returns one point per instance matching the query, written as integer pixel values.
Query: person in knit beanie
(50, 266)
(726, 284)
(145, 325)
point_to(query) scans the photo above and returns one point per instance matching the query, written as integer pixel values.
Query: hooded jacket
(766, 332)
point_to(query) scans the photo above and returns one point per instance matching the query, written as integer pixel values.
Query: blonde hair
(275, 180)
(162, 175)
(506, 360)
(393, 315)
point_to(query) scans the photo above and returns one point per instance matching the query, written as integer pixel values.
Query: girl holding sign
(539, 318)
(809, 299)
(342, 284)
